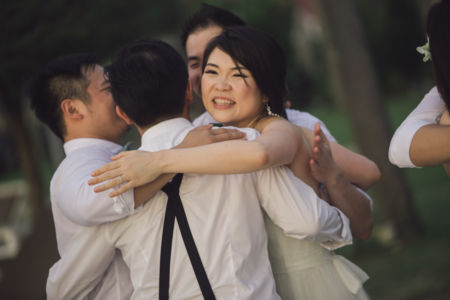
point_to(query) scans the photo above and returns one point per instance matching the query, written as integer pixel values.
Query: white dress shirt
(424, 114)
(75, 206)
(296, 117)
(225, 217)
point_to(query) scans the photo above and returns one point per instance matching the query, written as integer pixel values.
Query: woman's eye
(194, 66)
(210, 72)
(240, 75)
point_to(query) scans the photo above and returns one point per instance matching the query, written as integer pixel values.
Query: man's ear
(72, 109)
(123, 115)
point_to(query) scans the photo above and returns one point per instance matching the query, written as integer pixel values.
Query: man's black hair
(148, 81)
(206, 16)
(62, 78)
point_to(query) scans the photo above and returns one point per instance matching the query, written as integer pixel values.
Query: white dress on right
(306, 270)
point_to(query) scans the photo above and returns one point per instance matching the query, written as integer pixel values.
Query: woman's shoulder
(271, 122)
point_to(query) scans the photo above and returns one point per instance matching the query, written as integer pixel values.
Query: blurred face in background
(195, 46)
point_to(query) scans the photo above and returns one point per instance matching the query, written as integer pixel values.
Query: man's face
(104, 121)
(195, 46)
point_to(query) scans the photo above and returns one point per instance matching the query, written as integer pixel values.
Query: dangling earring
(269, 111)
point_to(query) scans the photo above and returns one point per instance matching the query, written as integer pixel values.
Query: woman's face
(230, 96)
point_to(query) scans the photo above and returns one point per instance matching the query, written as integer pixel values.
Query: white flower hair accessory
(425, 50)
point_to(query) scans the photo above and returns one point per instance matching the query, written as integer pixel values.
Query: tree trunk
(362, 101)
(14, 118)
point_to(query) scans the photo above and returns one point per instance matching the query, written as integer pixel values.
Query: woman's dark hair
(148, 81)
(438, 30)
(261, 55)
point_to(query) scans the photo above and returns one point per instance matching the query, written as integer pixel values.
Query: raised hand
(323, 167)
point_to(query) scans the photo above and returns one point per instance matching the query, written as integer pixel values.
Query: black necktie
(175, 210)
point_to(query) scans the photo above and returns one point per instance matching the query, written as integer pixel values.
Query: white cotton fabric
(76, 206)
(225, 217)
(424, 114)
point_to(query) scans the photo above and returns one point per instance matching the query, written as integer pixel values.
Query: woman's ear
(123, 115)
(72, 109)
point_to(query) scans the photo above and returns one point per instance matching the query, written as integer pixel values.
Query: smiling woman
(230, 92)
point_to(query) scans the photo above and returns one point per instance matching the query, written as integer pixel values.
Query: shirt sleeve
(82, 267)
(299, 212)
(78, 201)
(304, 119)
(424, 114)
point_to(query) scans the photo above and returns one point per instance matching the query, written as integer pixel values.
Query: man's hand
(205, 134)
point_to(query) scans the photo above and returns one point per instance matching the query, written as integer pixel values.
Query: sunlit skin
(101, 109)
(229, 95)
(195, 46)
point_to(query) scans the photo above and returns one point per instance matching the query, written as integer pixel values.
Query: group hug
(247, 201)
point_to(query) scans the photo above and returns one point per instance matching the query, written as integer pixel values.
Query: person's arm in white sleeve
(298, 211)
(419, 141)
(78, 201)
(82, 267)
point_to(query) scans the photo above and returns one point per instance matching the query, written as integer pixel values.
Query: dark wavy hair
(62, 78)
(261, 55)
(438, 30)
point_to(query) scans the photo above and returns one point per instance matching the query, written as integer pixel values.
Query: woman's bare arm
(277, 145)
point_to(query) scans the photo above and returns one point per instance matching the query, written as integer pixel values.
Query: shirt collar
(166, 134)
(79, 143)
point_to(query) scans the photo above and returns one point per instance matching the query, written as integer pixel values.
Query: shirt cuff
(124, 203)
(401, 143)
(346, 237)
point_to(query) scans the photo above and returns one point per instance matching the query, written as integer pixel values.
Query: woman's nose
(222, 84)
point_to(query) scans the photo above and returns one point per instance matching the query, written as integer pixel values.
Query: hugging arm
(135, 168)
(276, 146)
(342, 194)
(298, 211)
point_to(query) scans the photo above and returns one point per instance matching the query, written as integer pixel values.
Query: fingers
(108, 185)
(222, 134)
(121, 190)
(105, 176)
(122, 154)
(108, 167)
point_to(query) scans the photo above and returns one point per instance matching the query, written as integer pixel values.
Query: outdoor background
(352, 63)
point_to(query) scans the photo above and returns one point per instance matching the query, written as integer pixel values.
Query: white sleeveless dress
(305, 270)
